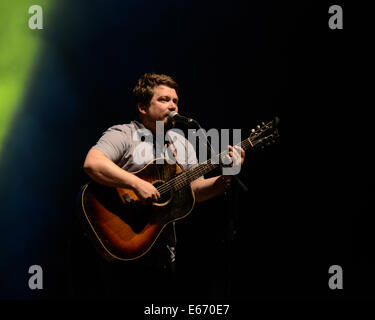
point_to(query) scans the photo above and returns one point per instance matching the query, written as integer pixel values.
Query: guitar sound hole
(164, 194)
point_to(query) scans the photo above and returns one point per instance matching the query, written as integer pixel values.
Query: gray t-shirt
(131, 146)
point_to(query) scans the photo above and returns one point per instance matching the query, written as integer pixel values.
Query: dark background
(238, 63)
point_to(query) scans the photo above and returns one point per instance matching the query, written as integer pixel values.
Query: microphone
(173, 116)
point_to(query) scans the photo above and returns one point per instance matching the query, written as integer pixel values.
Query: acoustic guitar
(123, 228)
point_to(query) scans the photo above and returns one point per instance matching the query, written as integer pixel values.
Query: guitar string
(188, 176)
(182, 180)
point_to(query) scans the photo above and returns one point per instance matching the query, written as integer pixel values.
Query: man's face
(164, 101)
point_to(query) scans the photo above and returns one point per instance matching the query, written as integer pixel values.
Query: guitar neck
(201, 169)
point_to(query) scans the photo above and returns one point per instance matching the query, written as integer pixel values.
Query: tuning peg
(263, 124)
(258, 126)
(252, 130)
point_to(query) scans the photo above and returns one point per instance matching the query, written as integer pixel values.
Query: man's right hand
(146, 192)
(103, 170)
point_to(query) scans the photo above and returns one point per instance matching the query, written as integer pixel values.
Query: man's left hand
(237, 155)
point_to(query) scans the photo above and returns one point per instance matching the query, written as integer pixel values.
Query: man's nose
(172, 107)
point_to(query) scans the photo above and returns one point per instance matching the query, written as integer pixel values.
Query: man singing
(113, 158)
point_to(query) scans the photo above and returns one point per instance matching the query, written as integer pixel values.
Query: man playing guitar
(112, 161)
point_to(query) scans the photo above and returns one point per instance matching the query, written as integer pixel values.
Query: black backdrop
(238, 63)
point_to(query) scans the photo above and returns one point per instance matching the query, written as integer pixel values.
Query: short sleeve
(113, 143)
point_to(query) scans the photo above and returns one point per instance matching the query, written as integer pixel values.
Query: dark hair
(144, 89)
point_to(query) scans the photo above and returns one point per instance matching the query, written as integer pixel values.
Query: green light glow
(18, 52)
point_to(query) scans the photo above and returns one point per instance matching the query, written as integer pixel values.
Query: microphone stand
(231, 216)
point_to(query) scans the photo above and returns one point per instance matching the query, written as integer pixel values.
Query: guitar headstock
(265, 134)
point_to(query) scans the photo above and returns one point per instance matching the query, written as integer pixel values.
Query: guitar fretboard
(186, 177)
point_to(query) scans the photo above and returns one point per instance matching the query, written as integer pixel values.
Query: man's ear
(142, 108)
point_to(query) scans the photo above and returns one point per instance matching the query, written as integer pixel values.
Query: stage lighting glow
(18, 54)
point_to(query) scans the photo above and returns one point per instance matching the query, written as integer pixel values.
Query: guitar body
(121, 226)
